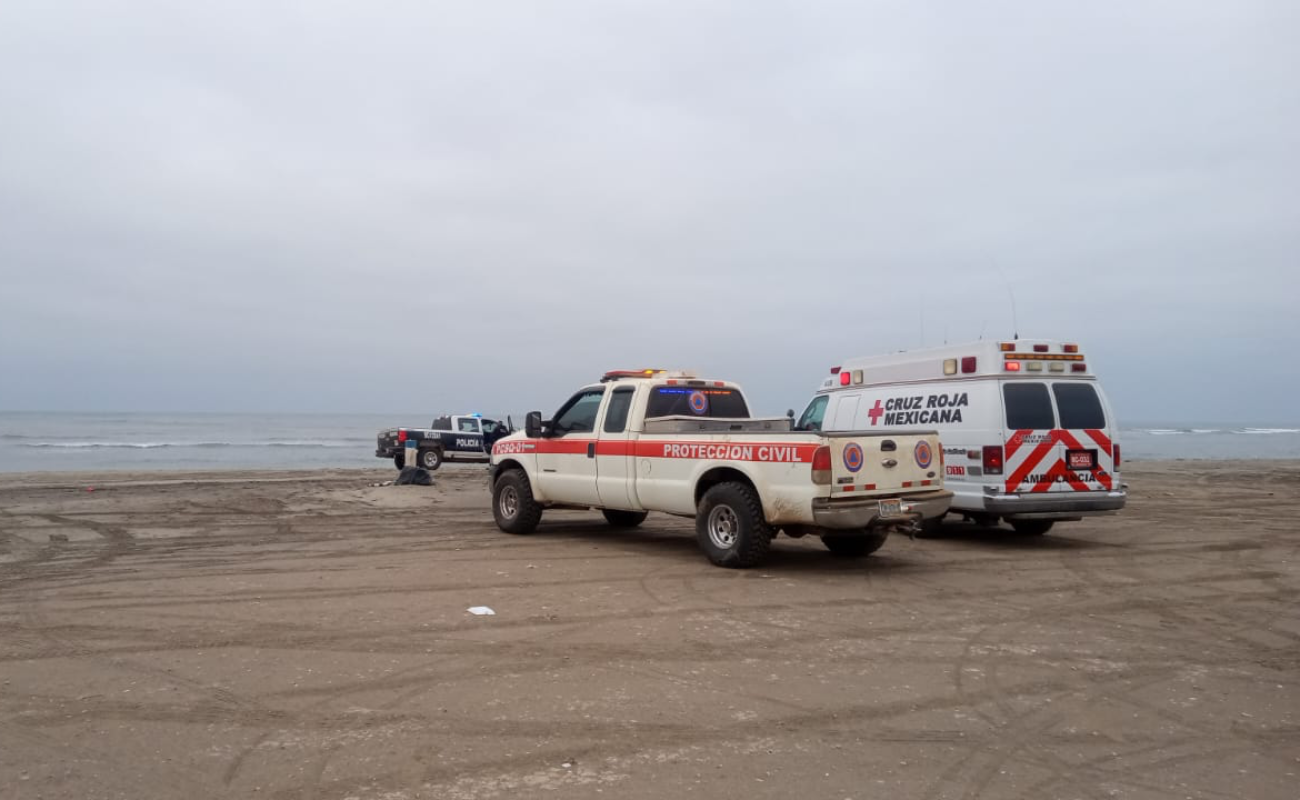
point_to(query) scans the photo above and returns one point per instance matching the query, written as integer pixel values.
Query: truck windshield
(690, 401)
(812, 416)
(1079, 406)
(1029, 407)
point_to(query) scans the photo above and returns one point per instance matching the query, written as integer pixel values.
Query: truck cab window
(1028, 407)
(579, 414)
(469, 426)
(616, 415)
(813, 415)
(1079, 406)
(689, 401)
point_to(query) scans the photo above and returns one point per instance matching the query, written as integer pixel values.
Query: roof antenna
(1015, 320)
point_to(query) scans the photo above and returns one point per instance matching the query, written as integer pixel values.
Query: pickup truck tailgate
(875, 463)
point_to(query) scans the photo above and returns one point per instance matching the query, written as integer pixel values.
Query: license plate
(1080, 459)
(891, 508)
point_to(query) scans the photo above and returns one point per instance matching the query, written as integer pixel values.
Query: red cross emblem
(875, 412)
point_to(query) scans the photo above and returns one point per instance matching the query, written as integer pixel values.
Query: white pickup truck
(650, 440)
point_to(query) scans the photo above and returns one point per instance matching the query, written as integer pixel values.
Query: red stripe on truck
(774, 452)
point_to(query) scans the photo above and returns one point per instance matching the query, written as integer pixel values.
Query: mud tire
(624, 519)
(1032, 527)
(730, 527)
(513, 506)
(854, 545)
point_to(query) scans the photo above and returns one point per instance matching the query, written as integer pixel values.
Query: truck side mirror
(533, 425)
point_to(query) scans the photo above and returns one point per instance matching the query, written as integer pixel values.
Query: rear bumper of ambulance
(1055, 505)
(843, 514)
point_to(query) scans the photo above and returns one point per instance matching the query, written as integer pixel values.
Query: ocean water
(33, 441)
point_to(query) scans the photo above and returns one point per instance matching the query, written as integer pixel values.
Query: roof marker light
(835, 370)
(1013, 366)
(1078, 367)
(950, 366)
(844, 379)
(1007, 347)
(857, 376)
(1056, 366)
(1040, 348)
(1035, 366)
(968, 365)
(1069, 348)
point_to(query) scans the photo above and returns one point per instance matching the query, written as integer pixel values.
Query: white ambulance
(1026, 432)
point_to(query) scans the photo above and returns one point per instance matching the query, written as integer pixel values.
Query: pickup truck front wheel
(513, 506)
(730, 526)
(855, 545)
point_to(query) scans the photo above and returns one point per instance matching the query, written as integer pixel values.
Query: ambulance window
(1028, 407)
(688, 401)
(813, 415)
(1079, 406)
(616, 414)
(579, 414)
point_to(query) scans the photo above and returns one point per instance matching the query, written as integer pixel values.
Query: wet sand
(305, 635)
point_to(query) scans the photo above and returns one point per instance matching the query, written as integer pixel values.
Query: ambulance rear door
(1084, 436)
(1031, 452)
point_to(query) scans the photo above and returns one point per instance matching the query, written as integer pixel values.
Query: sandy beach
(278, 634)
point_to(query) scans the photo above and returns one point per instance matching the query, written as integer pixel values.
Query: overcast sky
(434, 206)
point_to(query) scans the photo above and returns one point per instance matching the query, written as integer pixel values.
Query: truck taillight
(821, 466)
(1114, 453)
(992, 459)
(401, 436)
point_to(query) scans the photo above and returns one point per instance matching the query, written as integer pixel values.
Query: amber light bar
(1041, 357)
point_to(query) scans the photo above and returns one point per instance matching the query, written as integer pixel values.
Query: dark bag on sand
(414, 476)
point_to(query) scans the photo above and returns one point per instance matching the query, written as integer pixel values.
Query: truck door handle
(591, 449)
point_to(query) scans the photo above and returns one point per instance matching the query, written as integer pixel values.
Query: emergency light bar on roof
(616, 374)
(960, 361)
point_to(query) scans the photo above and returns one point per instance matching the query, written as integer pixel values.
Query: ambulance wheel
(624, 519)
(1032, 527)
(854, 545)
(399, 460)
(931, 528)
(431, 458)
(730, 526)
(513, 506)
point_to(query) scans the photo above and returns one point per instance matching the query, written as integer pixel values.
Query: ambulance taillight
(1114, 454)
(992, 459)
(821, 466)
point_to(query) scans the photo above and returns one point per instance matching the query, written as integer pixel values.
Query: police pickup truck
(650, 440)
(451, 438)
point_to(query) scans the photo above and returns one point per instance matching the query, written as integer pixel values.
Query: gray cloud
(280, 207)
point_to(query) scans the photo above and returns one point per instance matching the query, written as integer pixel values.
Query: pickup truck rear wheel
(513, 506)
(431, 458)
(854, 545)
(730, 526)
(624, 519)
